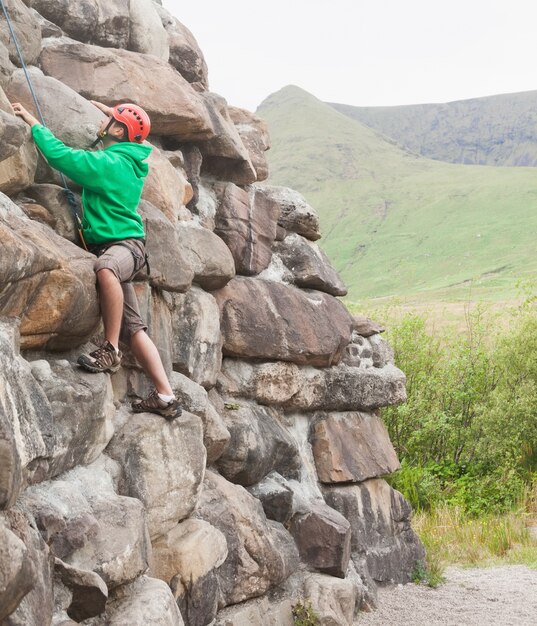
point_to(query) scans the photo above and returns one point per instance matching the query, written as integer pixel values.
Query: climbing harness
(68, 193)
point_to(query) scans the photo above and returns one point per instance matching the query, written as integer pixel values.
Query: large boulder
(259, 444)
(197, 340)
(170, 267)
(147, 34)
(381, 533)
(27, 30)
(25, 421)
(48, 204)
(13, 131)
(334, 601)
(79, 128)
(272, 383)
(82, 412)
(112, 76)
(347, 388)
(51, 287)
(6, 67)
(87, 525)
(26, 568)
(17, 564)
(208, 255)
(224, 156)
(261, 554)
(18, 170)
(89, 592)
(248, 226)
(266, 320)
(166, 186)
(323, 537)
(185, 54)
(309, 265)
(253, 132)
(296, 215)
(101, 22)
(163, 465)
(186, 558)
(144, 602)
(258, 612)
(351, 447)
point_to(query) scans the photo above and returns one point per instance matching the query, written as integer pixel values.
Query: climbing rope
(71, 200)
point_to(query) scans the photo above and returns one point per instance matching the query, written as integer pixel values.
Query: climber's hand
(21, 112)
(102, 107)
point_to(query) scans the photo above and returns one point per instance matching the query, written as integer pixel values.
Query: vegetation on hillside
(395, 223)
(467, 435)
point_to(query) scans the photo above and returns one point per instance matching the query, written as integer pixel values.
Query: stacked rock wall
(268, 490)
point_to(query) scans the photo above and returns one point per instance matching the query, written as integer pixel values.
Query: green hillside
(495, 130)
(395, 223)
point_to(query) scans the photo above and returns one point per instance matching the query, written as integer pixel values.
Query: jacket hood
(136, 153)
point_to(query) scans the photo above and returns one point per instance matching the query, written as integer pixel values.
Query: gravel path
(495, 596)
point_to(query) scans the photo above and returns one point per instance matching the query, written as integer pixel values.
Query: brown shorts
(125, 260)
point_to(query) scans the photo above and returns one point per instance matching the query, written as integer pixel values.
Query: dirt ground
(495, 596)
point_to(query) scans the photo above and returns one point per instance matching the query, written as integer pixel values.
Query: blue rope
(69, 194)
(23, 64)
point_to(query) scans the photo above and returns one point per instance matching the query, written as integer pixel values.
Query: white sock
(165, 398)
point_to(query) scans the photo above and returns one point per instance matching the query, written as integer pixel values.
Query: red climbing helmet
(135, 119)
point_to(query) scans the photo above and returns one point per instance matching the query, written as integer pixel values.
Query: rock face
(268, 489)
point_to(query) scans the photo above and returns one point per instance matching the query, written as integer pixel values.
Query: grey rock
(89, 591)
(381, 533)
(78, 129)
(365, 326)
(36, 607)
(261, 554)
(90, 527)
(253, 132)
(334, 601)
(146, 601)
(26, 432)
(13, 134)
(344, 388)
(169, 266)
(185, 54)
(323, 537)
(197, 339)
(163, 465)
(351, 447)
(259, 612)
(27, 30)
(276, 497)
(224, 156)
(309, 265)
(272, 383)
(216, 436)
(246, 221)
(296, 215)
(187, 558)
(315, 331)
(207, 254)
(147, 34)
(259, 444)
(82, 412)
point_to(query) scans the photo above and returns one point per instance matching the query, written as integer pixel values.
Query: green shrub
(467, 435)
(304, 615)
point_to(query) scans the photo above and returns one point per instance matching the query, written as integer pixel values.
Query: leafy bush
(467, 435)
(304, 615)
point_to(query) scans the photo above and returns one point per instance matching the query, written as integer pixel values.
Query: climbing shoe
(153, 404)
(104, 359)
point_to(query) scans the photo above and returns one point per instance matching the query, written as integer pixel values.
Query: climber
(112, 180)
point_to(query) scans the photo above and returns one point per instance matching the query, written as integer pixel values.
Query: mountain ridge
(395, 222)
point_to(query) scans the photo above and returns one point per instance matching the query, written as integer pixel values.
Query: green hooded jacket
(112, 182)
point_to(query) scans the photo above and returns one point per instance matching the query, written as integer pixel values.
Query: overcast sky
(374, 52)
